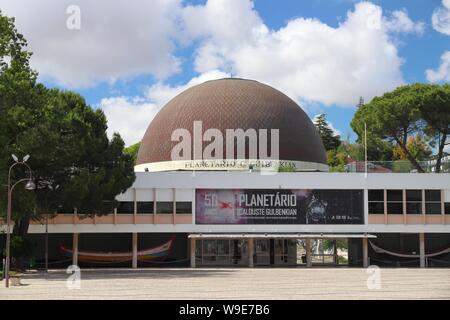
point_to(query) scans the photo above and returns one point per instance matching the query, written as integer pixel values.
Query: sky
(130, 57)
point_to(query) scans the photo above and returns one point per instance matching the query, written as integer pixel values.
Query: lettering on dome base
(244, 150)
(263, 166)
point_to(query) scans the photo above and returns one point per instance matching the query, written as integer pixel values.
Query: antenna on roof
(361, 102)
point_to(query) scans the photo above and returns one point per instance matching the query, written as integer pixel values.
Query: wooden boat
(155, 253)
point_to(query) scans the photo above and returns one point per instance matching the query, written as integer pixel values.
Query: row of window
(164, 207)
(395, 202)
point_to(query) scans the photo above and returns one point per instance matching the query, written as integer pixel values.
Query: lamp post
(46, 227)
(28, 186)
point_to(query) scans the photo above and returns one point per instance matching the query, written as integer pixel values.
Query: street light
(30, 185)
(46, 227)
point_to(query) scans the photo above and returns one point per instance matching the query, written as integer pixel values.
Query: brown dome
(234, 104)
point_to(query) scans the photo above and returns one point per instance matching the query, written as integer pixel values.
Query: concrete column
(135, 249)
(336, 260)
(365, 250)
(192, 253)
(422, 249)
(174, 205)
(251, 250)
(75, 249)
(308, 253)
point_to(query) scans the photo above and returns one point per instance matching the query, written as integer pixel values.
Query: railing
(400, 166)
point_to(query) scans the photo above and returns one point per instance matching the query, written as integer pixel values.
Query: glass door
(240, 252)
(262, 252)
(281, 251)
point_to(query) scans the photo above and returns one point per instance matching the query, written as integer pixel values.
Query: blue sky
(130, 58)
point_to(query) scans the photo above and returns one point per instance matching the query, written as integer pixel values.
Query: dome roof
(234, 104)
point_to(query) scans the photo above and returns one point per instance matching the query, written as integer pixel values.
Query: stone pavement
(223, 283)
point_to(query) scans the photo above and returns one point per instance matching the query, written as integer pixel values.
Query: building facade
(208, 205)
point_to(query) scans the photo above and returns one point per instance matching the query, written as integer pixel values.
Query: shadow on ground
(58, 275)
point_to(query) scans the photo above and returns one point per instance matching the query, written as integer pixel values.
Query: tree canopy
(408, 111)
(74, 163)
(133, 151)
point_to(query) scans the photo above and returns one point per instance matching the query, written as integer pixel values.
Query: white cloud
(307, 59)
(119, 39)
(131, 116)
(442, 73)
(441, 18)
(400, 22)
(161, 93)
(127, 116)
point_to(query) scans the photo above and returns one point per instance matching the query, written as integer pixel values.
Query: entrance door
(262, 252)
(285, 251)
(329, 252)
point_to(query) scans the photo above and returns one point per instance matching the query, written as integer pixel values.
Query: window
(433, 201)
(125, 207)
(144, 207)
(184, 207)
(414, 201)
(164, 207)
(395, 201)
(447, 208)
(376, 201)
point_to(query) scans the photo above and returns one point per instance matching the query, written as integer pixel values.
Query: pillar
(308, 253)
(75, 249)
(251, 250)
(135, 247)
(422, 249)
(192, 252)
(335, 252)
(365, 250)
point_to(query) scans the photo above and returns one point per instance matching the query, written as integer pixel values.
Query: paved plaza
(222, 283)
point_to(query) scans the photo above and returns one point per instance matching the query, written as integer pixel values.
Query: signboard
(279, 206)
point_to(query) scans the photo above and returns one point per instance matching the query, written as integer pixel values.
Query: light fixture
(15, 158)
(30, 185)
(25, 159)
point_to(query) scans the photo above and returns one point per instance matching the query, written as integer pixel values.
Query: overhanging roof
(279, 235)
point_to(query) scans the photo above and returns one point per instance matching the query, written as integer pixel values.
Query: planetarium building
(232, 172)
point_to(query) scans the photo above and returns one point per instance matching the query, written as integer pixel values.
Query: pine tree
(329, 139)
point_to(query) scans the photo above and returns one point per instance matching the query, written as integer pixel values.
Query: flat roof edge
(278, 235)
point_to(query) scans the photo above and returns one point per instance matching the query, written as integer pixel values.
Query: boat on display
(155, 253)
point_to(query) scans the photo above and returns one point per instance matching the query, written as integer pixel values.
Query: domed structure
(232, 104)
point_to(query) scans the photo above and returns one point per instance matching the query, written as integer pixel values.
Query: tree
(329, 139)
(17, 86)
(406, 112)
(394, 117)
(133, 151)
(69, 148)
(417, 146)
(435, 110)
(65, 137)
